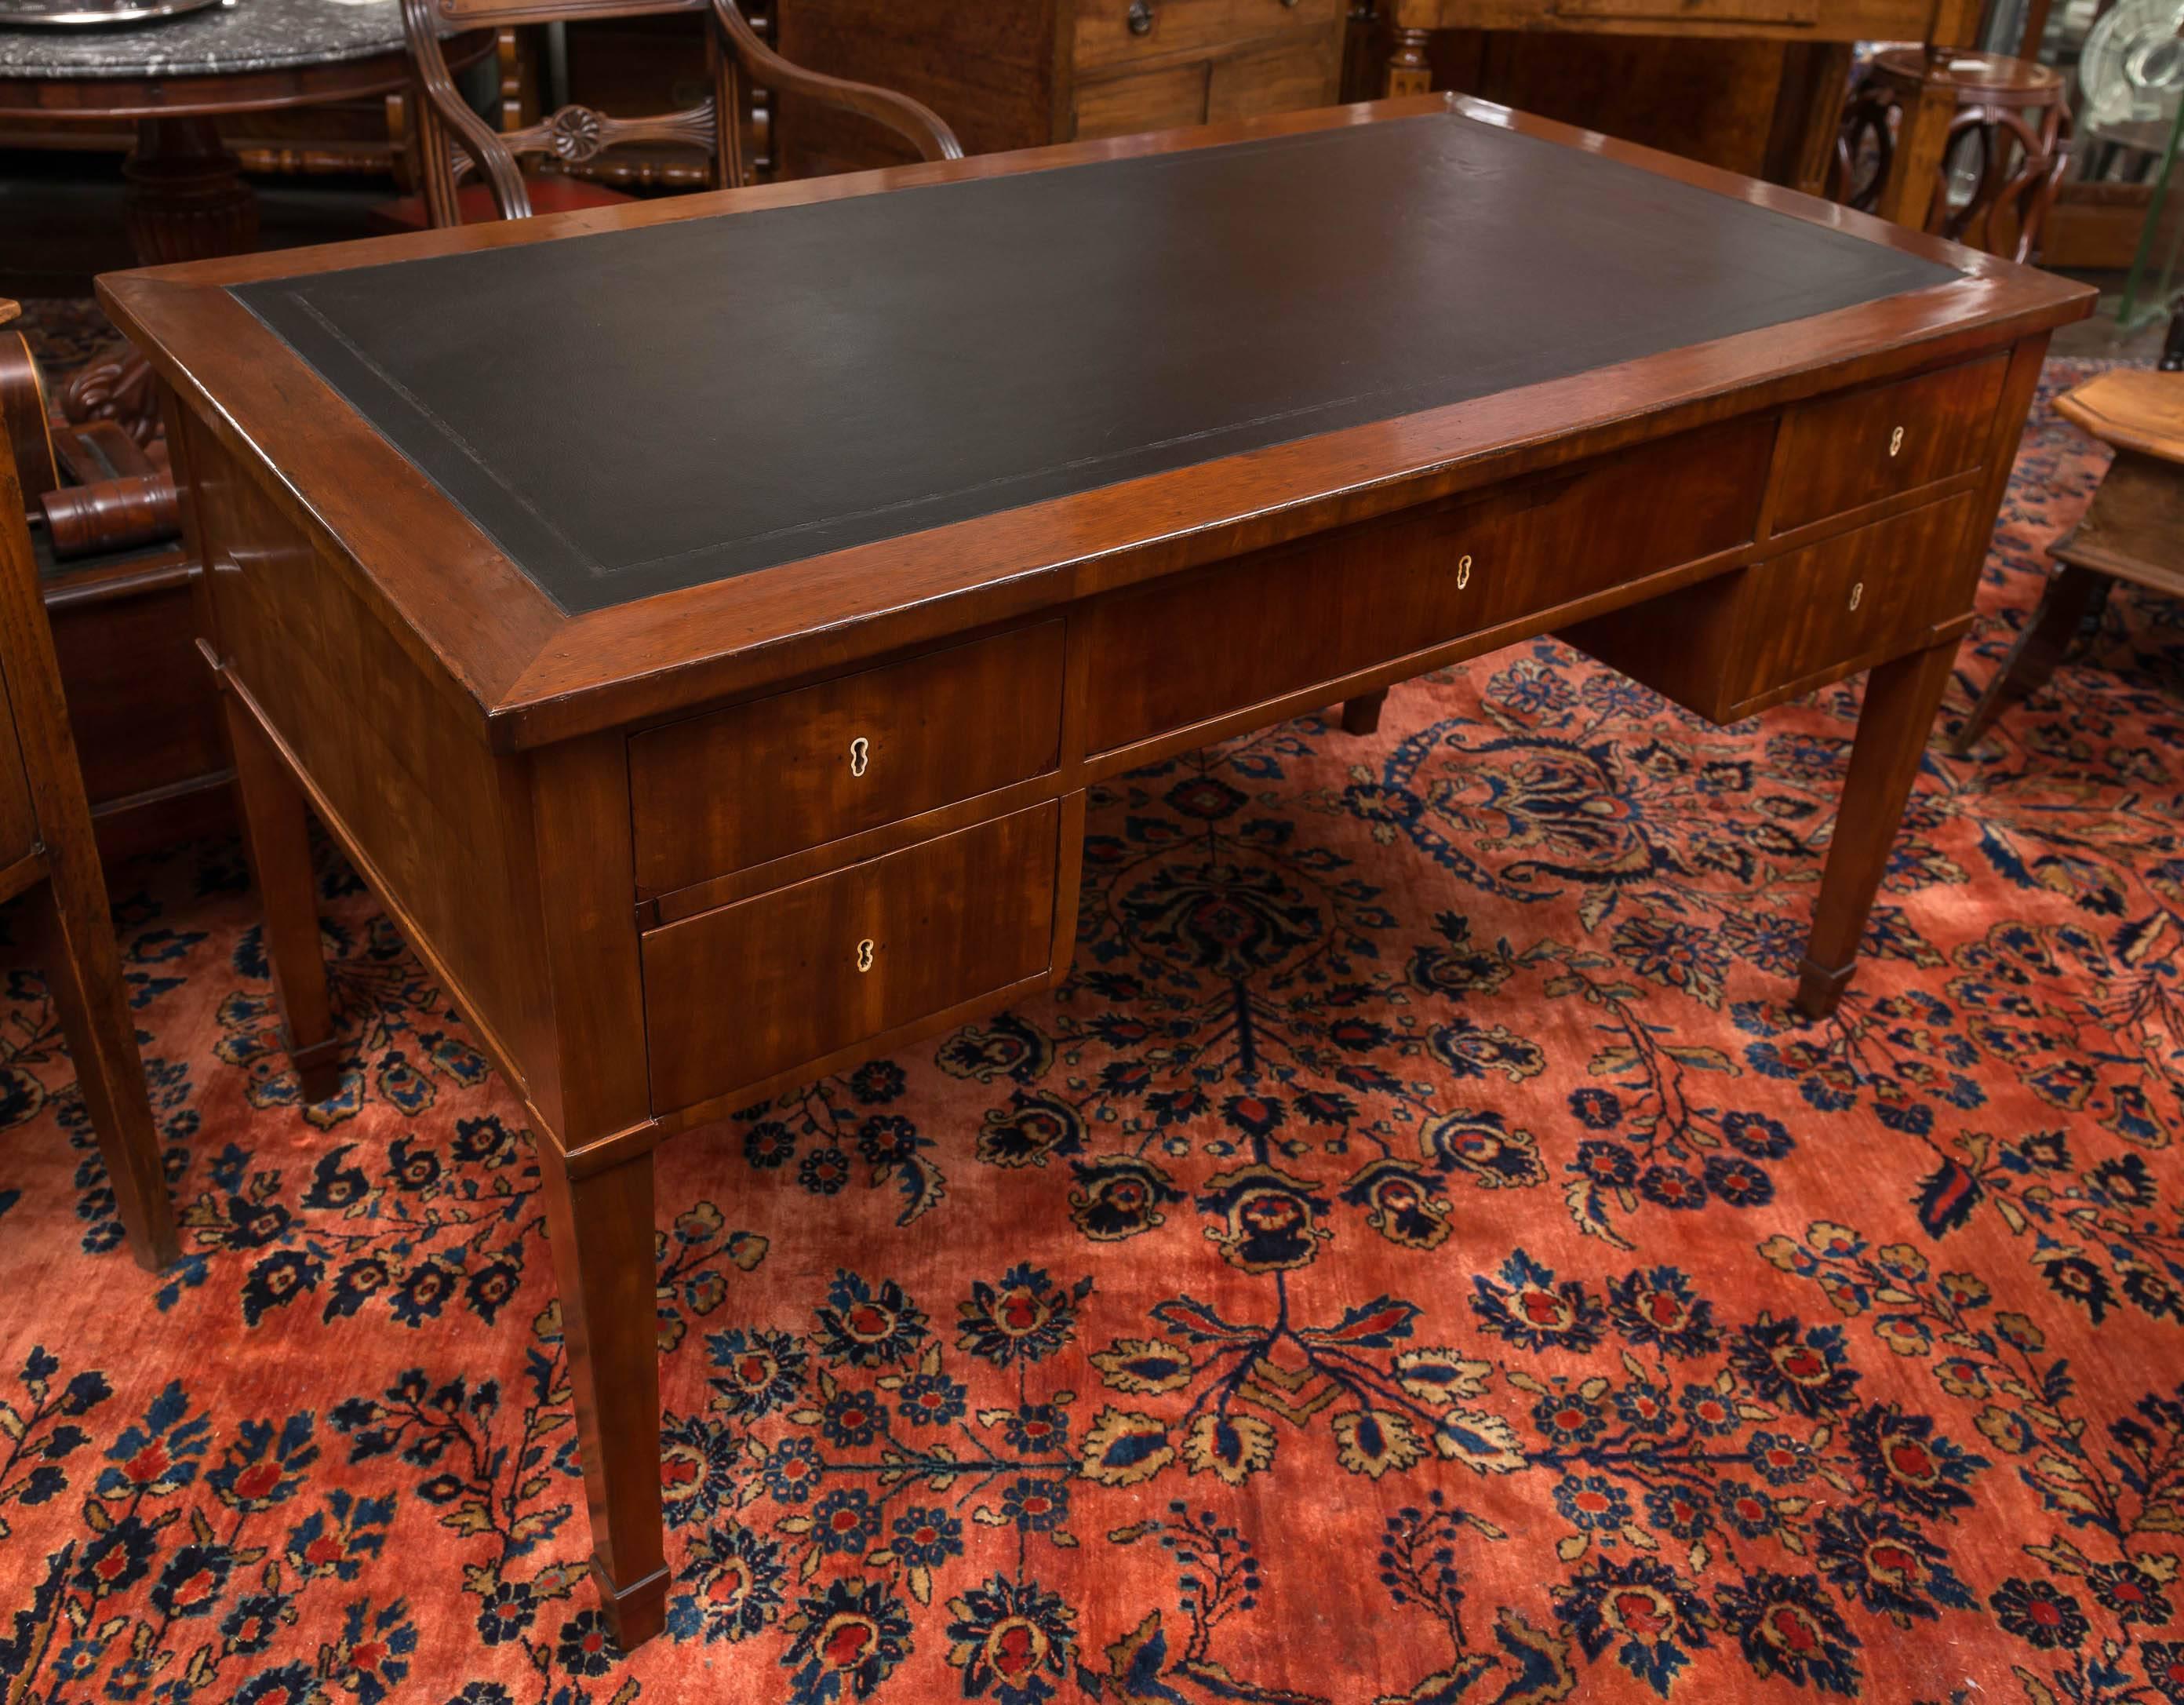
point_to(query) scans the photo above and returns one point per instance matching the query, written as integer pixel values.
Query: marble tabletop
(240, 35)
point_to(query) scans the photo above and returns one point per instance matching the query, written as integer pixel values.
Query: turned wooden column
(186, 199)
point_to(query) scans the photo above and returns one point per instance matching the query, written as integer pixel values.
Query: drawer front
(735, 995)
(759, 781)
(1253, 629)
(1846, 451)
(1299, 76)
(1107, 37)
(1848, 596)
(1155, 100)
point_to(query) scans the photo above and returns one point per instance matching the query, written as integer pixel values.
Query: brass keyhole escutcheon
(1896, 441)
(1857, 593)
(860, 755)
(1462, 573)
(865, 951)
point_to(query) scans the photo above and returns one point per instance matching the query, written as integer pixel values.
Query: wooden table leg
(83, 970)
(1361, 715)
(186, 197)
(601, 1229)
(1901, 699)
(277, 829)
(2071, 594)
(82, 961)
(1408, 71)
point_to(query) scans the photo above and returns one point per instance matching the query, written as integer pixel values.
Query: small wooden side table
(2133, 530)
(46, 836)
(1942, 92)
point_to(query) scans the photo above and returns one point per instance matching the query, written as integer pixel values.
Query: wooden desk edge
(542, 676)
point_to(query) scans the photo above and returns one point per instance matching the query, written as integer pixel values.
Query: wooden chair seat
(2133, 530)
(2131, 408)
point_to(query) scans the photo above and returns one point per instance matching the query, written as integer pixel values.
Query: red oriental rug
(1416, 1258)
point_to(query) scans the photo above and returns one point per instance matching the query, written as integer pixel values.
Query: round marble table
(175, 75)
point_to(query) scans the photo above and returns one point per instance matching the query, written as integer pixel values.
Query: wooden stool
(2133, 530)
(46, 836)
(1917, 109)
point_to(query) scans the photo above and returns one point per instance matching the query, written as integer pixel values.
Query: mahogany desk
(700, 621)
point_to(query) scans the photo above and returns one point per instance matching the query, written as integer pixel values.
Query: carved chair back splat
(453, 140)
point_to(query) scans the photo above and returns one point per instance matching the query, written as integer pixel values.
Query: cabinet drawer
(1253, 629)
(733, 996)
(1846, 451)
(1105, 35)
(1847, 596)
(1297, 76)
(1160, 99)
(759, 781)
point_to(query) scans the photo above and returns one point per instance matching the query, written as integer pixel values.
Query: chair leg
(1901, 699)
(600, 1226)
(83, 969)
(277, 831)
(2071, 594)
(1361, 715)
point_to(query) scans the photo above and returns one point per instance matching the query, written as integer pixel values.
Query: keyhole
(1896, 441)
(860, 755)
(865, 954)
(1464, 573)
(1857, 593)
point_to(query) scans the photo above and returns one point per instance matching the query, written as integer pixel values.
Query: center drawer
(735, 995)
(1256, 627)
(759, 781)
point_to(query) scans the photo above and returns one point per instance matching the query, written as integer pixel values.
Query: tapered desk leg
(2071, 594)
(277, 830)
(1901, 699)
(601, 1227)
(83, 969)
(1361, 715)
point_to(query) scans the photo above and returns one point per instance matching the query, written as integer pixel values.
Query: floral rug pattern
(1416, 1258)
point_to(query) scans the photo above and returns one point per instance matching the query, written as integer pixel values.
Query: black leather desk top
(641, 410)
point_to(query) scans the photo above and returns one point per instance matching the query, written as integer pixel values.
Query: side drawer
(1843, 452)
(1847, 596)
(733, 996)
(1179, 652)
(762, 780)
(1123, 32)
(1719, 646)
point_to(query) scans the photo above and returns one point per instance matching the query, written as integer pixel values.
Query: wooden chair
(2133, 530)
(46, 837)
(453, 140)
(2010, 120)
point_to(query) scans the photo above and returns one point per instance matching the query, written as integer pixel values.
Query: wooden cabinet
(1022, 75)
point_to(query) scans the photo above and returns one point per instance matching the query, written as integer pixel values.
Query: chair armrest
(912, 121)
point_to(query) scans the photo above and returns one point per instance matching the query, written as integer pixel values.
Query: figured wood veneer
(518, 778)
